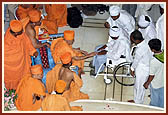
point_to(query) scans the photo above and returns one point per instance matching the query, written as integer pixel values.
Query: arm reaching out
(30, 32)
(84, 57)
(82, 51)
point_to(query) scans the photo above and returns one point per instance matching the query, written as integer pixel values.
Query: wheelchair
(120, 70)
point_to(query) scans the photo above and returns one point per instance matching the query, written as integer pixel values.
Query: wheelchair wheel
(122, 74)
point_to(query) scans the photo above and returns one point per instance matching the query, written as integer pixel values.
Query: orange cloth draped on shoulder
(74, 92)
(25, 90)
(56, 17)
(56, 102)
(57, 13)
(22, 13)
(24, 22)
(51, 26)
(37, 69)
(59, 47)
(52, 77)
(17, 61)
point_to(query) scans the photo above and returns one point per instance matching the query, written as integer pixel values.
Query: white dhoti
(142, 73)
(98, 60)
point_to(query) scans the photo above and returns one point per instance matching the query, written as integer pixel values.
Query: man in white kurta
(140, 65)
(160, 26)
(120, 18)
(147, 28)
(118, 47)
(142, 9)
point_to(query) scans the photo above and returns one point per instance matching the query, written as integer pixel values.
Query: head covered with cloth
(16, 27)
(66, 58)
(114, 32)
(37, 71)
(114, 12)
(60, 86)
(34, 15)
(144, 21)
(69, 36)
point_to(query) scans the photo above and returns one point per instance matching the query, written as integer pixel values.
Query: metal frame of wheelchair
(124, 68)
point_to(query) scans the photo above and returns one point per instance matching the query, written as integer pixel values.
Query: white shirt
(118, 47)
(123, 35)
(142, 9)
(149, 32)
(157, 69)
(142, 55)
(125, 21)
(160, 29)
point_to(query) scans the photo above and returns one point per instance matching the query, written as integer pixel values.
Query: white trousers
(142, 73)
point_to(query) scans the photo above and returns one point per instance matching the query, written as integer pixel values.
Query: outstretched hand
(92, 54)
(100, 49)
(84, 57)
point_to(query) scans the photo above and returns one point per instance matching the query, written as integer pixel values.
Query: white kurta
(125, 21)
(119, 47)
(160, 29)
(115, 49)
(141, 66)
(142, 9)
(149, 32)
(157, 69)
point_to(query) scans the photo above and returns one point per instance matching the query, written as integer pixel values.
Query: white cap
(142, 22)
(162, 6)
(114, 31)
(114, 10)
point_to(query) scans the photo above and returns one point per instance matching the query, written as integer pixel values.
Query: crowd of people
(63, 82)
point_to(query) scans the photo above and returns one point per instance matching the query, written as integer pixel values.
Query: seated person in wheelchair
(116, 51)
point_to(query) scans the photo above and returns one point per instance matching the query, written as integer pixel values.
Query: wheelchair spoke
(122, 74)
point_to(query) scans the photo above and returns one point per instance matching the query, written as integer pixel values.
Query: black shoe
(91, 64)
(92, 72)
